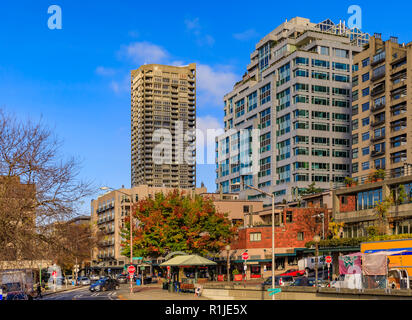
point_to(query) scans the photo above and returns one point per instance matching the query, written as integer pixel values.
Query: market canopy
(189, 260)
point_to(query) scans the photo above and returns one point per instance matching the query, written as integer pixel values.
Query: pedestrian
(39, 291)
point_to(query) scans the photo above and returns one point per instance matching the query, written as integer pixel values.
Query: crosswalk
(96, 294)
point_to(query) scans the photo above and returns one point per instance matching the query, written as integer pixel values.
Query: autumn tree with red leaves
(177, 222)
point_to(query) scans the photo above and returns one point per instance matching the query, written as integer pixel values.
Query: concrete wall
(301, 293)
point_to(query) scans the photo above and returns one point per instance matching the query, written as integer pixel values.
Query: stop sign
(54, 274)
(245, 256)
(131, 269)
(328, 259)
(168, 268)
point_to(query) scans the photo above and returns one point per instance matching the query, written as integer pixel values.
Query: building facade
(355, 206)
(287, 122)
(381, 108)
(108, 213)
(163, 126)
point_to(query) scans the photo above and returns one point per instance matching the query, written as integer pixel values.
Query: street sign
(54, 274)
(131, 269)
(328, 259)
(245, 267)
(137, 258)
(274, 291)
(245, 256)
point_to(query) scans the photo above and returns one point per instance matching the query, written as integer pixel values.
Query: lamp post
(131, 232)
(228, 262)
(273, 233)
(316, 239)
(321, 215)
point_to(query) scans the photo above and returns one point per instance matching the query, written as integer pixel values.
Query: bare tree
(38, 188)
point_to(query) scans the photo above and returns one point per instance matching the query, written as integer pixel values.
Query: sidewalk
(63, 289)
(154, 292)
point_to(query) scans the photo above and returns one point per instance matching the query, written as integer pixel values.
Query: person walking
(39, 291)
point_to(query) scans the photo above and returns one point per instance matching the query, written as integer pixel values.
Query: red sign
(131, 269)
(328, 259)
(168, 268)
(245, 256)
(54, 274)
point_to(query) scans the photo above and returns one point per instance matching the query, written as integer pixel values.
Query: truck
(17, 281)
(308, 263)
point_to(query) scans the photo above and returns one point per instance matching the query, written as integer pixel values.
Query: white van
(309, 263)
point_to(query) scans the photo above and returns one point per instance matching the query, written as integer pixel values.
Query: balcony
(378, 138)
(376, 153)
(378, 90)
(377, 122)
(378, 107)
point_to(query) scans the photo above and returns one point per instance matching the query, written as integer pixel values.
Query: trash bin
(138, 282)
(165, 285)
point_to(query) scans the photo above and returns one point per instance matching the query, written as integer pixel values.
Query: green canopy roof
(190, 260)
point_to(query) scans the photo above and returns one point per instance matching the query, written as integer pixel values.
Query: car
(104, 285)
(83, 281)
(122, 278)
(94, 277)
(279, 281)
(293, 273)
(303, 282)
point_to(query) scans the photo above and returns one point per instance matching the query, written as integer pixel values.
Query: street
(82, 294)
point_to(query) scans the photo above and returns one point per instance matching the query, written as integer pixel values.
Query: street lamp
(273, 233)
(228, 262)
(131, 231)
(321, 215)
(316, 239)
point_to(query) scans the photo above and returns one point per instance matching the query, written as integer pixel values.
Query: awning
(190, 260)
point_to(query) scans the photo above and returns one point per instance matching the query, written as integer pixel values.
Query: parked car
(293, 273)
(279, 281)
(303, 282)
(83, 281)
(104, 285)
(122, 278)
(94, 277)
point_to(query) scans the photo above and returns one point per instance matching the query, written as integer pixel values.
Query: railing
(404, 171)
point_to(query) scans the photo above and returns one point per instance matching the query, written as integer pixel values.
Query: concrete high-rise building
(163, 113)
(296, 95)
(381, 108)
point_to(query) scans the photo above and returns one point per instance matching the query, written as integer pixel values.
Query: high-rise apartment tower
(297, 92)
(163, 113)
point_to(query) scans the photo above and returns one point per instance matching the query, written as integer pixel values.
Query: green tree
(175, 222)
(311, 189)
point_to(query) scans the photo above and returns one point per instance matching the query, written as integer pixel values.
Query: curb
(60, 291)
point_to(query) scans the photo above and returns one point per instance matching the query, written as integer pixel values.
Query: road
(83, 294)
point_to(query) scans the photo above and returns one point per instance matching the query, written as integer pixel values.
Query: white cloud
(120, 86)
(144, 53)
(193, 25)
(214, 83)
(103, 71)
(246, 35)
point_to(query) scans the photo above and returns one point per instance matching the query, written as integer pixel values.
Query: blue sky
(77, 78)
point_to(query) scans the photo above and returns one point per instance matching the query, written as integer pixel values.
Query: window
(355, 153)
(320, 126)
(355, 124)
(355, 167)
(355, 110)
(289, 216)
(283, 99)
(320, 75)
(301, 140)
(324, 50)
(365, 165)
(365, 151)
(340, 78)
(265, 94)
(340, 53)
(320, 63)
(355, 139)
(365, 121)
(320, 141)
(252, 101)
(369, 199)
(283, 174)
(283, 150)
(341, 66)
(283, 74)
(301, 73)
(320, 89)
(365, 136)
(379, 163)
(320, 166)
(264, 167)
(365, 107)
(365, 92)
(299, 61)
(264, 56)
(365, 62)
(240, 108)
(265, 118)
(264, 142)
(365, 77)
(320, 115)
(301, 236)
(255, 236)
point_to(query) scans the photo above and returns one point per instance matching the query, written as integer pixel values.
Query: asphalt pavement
(82, 293)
